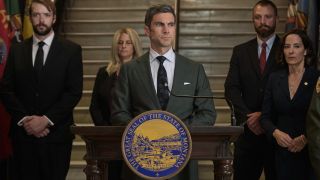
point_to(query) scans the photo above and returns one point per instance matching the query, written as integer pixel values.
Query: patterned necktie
(162, 84)
(38, 63)
(263, 57)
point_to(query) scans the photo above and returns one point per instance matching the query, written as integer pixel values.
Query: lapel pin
(306, 83)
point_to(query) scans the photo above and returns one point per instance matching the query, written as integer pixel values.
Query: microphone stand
(233, 116)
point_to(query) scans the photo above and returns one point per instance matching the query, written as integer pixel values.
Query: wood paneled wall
(208, 30)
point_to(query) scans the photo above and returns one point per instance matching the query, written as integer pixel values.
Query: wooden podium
(103, 144)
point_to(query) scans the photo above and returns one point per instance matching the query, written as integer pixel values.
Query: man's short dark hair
(47, 3)
(160, 8)
(267, 3)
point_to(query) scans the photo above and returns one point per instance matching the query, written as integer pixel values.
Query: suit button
(261, 90)
(37, 94)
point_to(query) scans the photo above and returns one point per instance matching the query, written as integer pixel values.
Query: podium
(103, 143)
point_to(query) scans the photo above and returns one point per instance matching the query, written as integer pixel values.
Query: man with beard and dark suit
(143, 84)
(42, 84)
(250, 66)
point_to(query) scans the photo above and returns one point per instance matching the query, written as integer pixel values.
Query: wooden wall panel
(209, 29)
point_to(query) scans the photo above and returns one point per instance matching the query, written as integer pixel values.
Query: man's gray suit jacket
(135, 93)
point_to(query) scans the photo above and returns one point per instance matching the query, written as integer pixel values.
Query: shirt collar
(269, 41)
(47, 41)
(169, 55)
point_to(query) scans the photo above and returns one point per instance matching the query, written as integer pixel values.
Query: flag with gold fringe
(13, 11)
(305, 14)
(27, 26)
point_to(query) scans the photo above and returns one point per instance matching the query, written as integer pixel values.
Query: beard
(265, 31)
(41, 29)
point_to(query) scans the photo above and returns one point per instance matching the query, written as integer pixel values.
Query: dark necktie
(38, 63)
(263, 57)
(162, 84)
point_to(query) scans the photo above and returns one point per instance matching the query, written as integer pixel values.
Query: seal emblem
(156, 145)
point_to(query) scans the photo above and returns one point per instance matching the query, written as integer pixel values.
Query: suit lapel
(305, 81)
(283, 84)
(253, 53)
(146, 78)
(179, 73)
(52, 55)
(54, 51)
(28, 55)
(272, 56)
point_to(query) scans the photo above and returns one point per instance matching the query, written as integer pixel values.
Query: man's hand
(43, 133)
(283, 139)
(36, 125)
(298, 144)
(253, 123)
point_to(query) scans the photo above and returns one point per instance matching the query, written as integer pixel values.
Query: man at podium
(156, 79)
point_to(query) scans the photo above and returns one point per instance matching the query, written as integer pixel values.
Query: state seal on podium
(156, 145)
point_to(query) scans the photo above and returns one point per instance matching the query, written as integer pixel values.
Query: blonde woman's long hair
(115, 64)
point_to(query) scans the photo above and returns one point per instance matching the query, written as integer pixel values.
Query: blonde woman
(126, 45)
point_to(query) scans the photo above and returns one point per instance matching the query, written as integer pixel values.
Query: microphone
(233, 116)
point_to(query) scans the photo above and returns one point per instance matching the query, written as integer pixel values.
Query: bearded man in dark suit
(141, 87)
(42, 84)
(245, 85)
